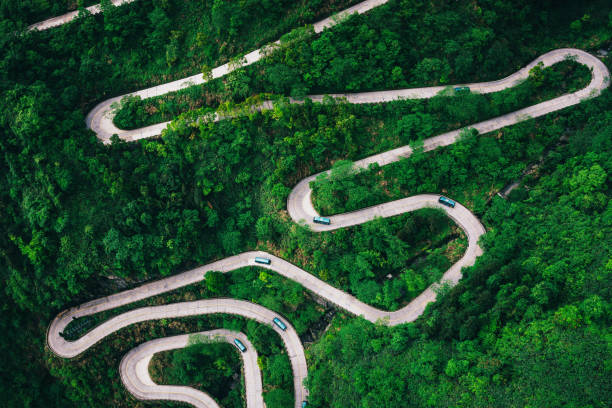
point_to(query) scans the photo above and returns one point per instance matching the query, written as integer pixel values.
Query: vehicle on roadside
(446, 201)
(279, 323)
(321, 220)
(261, 260)
(461, 89)
(304, 404)
(240, 345)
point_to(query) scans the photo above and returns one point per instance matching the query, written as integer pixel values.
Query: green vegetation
(471, 171)
(273, 360)
(347, 189)
(144, 43)
(33, 11)
(406, 44)
(210, 367)
(528, 326)
(385, 263)
(268, 289)
(564, 77)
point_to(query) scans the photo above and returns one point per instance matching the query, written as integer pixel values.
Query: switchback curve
(134, 370)
(68, 349)
(301, 210)
(300, 201)
(132, 379)
(100, 118)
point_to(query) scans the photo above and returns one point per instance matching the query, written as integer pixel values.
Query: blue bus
(321, 220)
(240, 346)
(261, 260)
(462, 89)
(279, 323)
(446, 201)
(304, 404)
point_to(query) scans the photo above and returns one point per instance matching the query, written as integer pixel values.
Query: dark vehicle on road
(279, 323)
(321, 220)
(240, 346)
(261, 260)
(462, 89)
(446, 201)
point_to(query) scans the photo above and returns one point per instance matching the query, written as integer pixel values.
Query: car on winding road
(446, 201)
(279, 323)
(240, 345)
(321, 220)
(265, 261)
(462, 89)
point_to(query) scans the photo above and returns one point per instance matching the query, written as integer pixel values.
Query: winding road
(134, 366)
(134, 370)
(100, 118)
(133, 379)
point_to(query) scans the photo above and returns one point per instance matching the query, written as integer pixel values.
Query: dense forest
(529, 325)
(208, 366)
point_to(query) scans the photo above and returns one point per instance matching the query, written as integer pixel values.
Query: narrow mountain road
(68, 349)
(134, 379)
(68, 17)
(134, 366)
(134, 370)
(100, 118)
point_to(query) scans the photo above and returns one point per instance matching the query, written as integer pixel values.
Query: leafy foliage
(211, 367)
(529, 322)
(527, 326)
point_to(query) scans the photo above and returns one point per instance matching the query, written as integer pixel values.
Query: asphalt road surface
(134, 370)
(100, 118)
(134, 366)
